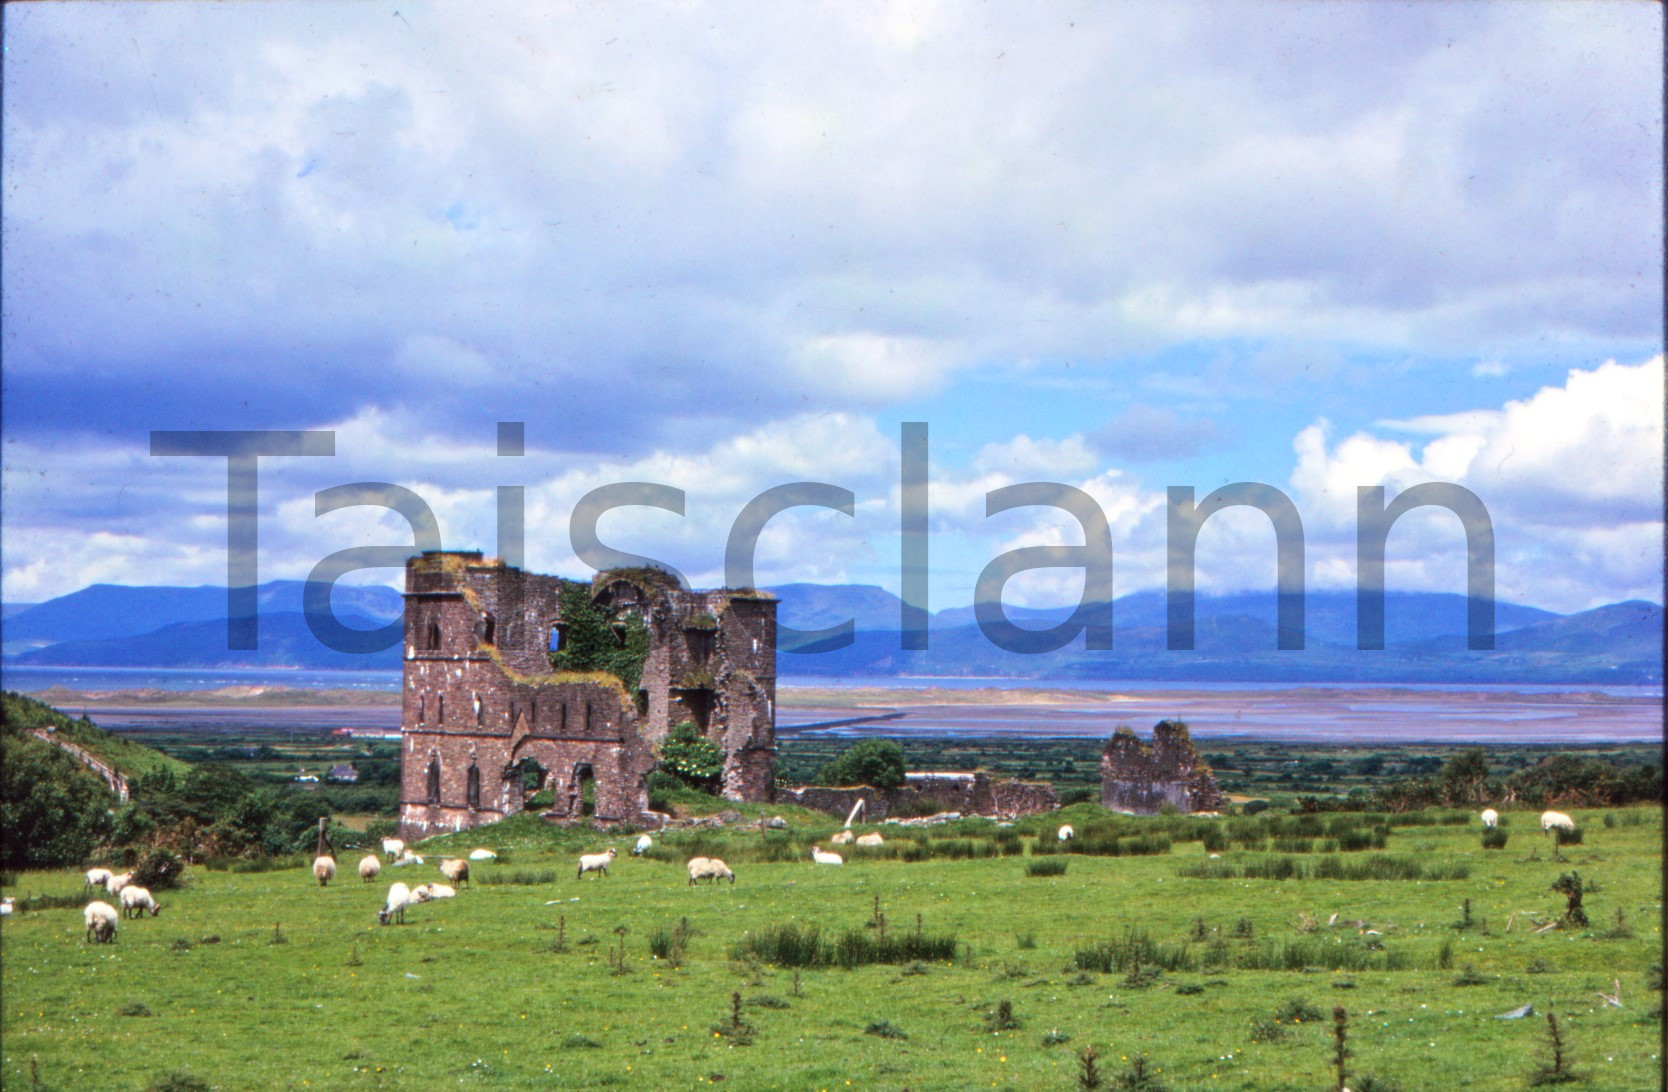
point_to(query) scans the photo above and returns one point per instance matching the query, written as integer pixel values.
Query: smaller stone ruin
(1141, 780)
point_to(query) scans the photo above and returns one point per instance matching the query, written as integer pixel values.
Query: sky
(1117, 246)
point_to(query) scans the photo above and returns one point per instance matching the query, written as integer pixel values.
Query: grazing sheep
(594, 862)
(136, 900)
(1066, 834)
(844, 837)
(399, 897)
(370, 866)
(393, 847)
(5, 906)
(117, 882)
(407, 858)
(1551, 819)
(644, 844)
(456, 871)
(426, 892)
(98, 877)
(1490, 818)
(870, 839)
(709, 868)
(482, 855)
(324, 870)
(819, 857)
(101, 920)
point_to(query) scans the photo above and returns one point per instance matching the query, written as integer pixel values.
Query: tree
(876, 762)
(53, 811)
(1465, 777)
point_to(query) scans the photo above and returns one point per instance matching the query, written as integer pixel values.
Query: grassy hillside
(534, 979)
(133, 759)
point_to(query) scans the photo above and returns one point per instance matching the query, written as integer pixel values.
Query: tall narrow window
(422, 708)
(434, 636)
(434, 781)
(440, 709)
(474, 790)
(488, 630)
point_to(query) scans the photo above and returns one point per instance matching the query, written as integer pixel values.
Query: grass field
(541, 980)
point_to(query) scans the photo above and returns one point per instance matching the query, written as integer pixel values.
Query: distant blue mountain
(1234, 637)
(106, 611)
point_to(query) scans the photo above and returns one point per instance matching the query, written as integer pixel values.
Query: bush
(53, 811)
(1494, 838)
(1568, 837)
(159, 870)
(1048, 866)
(690, 757)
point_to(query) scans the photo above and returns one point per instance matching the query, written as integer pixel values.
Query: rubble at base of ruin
(1141, 780)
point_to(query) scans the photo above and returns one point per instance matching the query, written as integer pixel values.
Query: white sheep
(482, 855)
(844, 837)
(98, 877)
(456, 871)
(393, 847)
(1490, 818)
(870, 839)
(324, 870)
(1551, 819)
(426, 892)
(117, 882)
(594, 862)
(370, 867)
(6, 906)
(101, 920)
(136, 900)
(709, 868)
(407, 858)
(644, 844)
(819, 857)
(399, 897)
(1066, 834)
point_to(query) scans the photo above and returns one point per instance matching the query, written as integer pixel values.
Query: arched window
(440, 709)
(474, 790)
(422, 708)
(434, 636)
(434, 780)
(489, 630)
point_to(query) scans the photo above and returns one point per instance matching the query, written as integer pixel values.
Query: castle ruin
(487, 722)
(1138, 780)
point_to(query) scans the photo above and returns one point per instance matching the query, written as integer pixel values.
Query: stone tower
(1135, 779)
(486, 721)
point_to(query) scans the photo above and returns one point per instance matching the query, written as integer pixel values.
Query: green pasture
(542, 980)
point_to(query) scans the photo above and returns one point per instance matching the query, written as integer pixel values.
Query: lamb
(407, 858)
(456, 871)
(399, 897)
(393, 847)
(1066, 834)
(709, 868)
(136, 900)
(101, 920)
(644, 844)
(482, 855)
(870, 839)
(594, 862)
(1490, 818)
(324, 870)
(428, 891)
(98, 877)
(116, 883)
(1551, 819)
(844, 837)
(370, 866)
(819, 857)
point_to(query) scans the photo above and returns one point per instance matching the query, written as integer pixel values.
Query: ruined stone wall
(480, 701)
(978, 795)
(1137, 779)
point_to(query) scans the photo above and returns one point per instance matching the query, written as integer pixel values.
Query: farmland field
(532, 978)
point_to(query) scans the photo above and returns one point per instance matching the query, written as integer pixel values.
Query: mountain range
(110, 625)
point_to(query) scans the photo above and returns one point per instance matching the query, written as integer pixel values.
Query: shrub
(1568, 837)
(690, 757)
(876, 762)
(1051, 866)
(1296, 1010)
(159, 870)
(1494, 838)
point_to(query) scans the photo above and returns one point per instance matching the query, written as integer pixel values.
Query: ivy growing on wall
(591, 641)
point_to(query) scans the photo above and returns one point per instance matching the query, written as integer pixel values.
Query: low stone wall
(978, 795)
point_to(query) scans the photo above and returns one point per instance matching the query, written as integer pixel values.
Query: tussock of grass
(792, 945)
(1382, 866)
